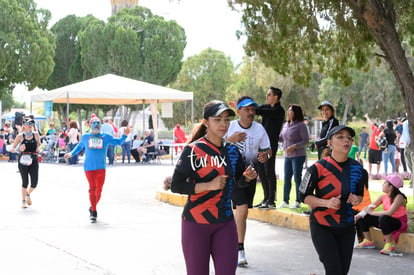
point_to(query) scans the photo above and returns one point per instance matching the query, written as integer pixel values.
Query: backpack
(382, 143)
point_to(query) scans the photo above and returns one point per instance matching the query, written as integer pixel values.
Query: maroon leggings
(96, 179)
(219, 240)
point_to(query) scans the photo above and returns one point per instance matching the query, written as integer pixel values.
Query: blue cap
(247, 102)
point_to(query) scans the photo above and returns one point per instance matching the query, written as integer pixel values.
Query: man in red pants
(96, 146)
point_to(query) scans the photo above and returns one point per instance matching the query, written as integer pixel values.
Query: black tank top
(31, 144)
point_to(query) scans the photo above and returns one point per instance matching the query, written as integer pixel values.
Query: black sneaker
(264, 205)
(92, 215)
(259, 204)
(267, 205)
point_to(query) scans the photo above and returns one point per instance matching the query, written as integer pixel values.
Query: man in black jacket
(273, 116)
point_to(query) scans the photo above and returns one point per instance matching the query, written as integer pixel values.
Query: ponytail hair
(199, 131)
(395, 191)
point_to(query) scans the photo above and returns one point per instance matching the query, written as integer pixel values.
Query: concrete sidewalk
(135, 232)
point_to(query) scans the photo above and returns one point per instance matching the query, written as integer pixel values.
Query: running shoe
(28, 199)
(388, 249)
(24, 204)
(242, 259)
(295, 205)
(283, 205)
(259, 204)
(267, 205)
(93, 215)
(366, 244)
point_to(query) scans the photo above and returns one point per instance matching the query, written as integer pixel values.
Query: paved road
(135, 233)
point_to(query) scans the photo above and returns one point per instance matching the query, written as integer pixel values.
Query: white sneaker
(242, 259)
(294, 205)
(283, 205)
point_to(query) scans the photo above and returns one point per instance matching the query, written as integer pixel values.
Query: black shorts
(241, 196)
(374, 156)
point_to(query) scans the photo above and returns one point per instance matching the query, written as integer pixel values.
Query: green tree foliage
(68, 68)
(136, 44)
(254, 79)
(374, 92)
(27, 46)
(299, 37)
(7, 100)
(207, 75)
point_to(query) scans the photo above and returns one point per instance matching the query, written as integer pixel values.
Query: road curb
(292, 221)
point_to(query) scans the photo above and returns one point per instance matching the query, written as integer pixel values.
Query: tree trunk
(379, 17)
(347, 106)
(78, 112)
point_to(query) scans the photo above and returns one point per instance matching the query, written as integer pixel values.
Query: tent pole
(67, 109)
(143, 118)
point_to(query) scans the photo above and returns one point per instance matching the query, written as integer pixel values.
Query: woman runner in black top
(206, 171)
(331, 187)
(29, 141)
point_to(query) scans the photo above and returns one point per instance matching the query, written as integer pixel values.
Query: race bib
(26, 159)
(304, 185)
(95, 143)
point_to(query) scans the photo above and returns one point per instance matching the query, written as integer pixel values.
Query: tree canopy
(207, 75)
(27, 46)
(136, 44)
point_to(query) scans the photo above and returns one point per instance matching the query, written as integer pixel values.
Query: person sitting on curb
(392, 221)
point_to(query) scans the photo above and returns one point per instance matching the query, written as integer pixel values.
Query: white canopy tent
(11, 115)
(111, 89)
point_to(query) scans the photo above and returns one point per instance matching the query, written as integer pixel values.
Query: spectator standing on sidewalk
(273, 116)
(402, 144)
(374, 154)
(295, 137)
(327, 111)
(363, 142)
(107, 128)
(408, 152)
(74, 136)
(126, 146)
(179, 136)
(331, 187)
(207, 171)
(251, 139)
(389, 152)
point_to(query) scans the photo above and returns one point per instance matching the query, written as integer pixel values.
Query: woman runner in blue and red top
(331, 187)
(206, 171)
(96, 146)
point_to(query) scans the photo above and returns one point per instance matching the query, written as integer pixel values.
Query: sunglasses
(28, 123)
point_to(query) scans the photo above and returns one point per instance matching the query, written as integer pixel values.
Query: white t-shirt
(256, 140)
(130, 136)
(73, 136)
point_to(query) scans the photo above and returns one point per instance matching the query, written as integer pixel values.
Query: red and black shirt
(328, 178)
(202, 161)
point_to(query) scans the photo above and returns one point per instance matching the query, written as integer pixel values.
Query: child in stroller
(55, 148)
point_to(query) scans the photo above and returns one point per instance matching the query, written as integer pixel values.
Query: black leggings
(387, 224)
(32, 170)
(334, 247)
(403, 159)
